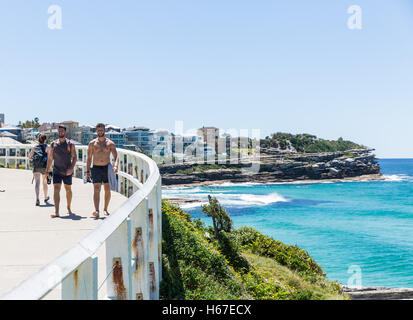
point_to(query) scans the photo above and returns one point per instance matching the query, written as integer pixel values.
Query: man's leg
(68, 189)
(96, 198)
(106, 186)
(56, 195)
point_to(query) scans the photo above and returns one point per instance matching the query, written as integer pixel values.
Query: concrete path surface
(29, 238)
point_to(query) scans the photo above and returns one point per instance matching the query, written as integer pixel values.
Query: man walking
(100, 150)
(63, 153)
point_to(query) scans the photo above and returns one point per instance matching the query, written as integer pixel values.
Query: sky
(290, 66)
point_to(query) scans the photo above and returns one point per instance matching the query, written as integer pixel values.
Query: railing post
(128, 221)
(6, 163)
(140, 252)
(159, 201)
(118, 263)
(153, 244)
(81, 284)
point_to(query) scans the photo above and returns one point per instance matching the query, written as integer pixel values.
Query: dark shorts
(57, 179)
(99, 174)
(39, 170)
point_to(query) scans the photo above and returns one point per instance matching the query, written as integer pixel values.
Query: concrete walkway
(29, 238)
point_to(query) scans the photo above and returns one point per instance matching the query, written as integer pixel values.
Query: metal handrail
(142, 210)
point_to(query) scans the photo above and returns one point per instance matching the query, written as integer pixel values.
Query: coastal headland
(275, 166)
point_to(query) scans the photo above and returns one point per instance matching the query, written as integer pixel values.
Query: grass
(321, 289)
(241, 264)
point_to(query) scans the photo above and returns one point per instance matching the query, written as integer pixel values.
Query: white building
(161, 143)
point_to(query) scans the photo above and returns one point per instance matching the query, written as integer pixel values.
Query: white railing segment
(132, 236)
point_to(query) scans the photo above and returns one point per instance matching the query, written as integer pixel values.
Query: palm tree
(36, 123)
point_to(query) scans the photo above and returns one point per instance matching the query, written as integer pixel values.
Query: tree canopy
(30, 123)
(305, 142)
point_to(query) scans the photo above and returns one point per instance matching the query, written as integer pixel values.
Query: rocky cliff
(276, 166)
(379, 293)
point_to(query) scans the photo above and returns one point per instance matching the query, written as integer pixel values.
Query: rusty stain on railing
(76, 281)
(150, 226)
(118, 285)
(150, 218)
(137, 247)
(152, 276)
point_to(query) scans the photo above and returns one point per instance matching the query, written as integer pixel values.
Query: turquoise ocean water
(343, 225)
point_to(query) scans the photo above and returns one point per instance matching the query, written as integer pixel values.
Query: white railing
(132, 237)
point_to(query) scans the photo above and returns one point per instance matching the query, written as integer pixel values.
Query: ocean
(361, 233)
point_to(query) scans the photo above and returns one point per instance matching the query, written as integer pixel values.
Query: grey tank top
(62, 156)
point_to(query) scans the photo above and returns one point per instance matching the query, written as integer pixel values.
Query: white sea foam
(233, 184)
(180, 189)
(192, 205)
(398, 177)
(241, 199)
(263, 199)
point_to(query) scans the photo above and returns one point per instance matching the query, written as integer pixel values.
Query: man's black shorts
(99, 174)
(57, 179)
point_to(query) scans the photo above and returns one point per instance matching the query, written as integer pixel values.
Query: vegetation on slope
(201, 168)
(307, 143)
(240, 264)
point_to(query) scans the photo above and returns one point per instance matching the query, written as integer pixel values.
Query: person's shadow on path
(46, 205)
(100, 218)
(72, 216)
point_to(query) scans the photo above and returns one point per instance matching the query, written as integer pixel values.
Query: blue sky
(290, 66)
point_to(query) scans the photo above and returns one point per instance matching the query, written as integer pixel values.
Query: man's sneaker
(47, 199)
(37, 202)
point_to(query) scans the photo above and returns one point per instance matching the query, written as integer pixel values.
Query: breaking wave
(238, 199)
(398, 177)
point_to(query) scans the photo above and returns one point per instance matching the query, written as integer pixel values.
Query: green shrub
(264, 289)
(231, 250)
(220, 218)
(306, 295)
(245, 235)
(307, 143)
(191, 263)
(293, 257)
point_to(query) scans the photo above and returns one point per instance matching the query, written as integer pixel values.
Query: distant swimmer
(99, 151)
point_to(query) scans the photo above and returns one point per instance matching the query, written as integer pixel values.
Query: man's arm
(89, 158)
(115, 156)
(49, 158)
(74, 160)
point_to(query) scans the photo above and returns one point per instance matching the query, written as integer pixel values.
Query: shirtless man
(63, 153)
(100, 150)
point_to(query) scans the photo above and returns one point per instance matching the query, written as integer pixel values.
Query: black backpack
(40, 156)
